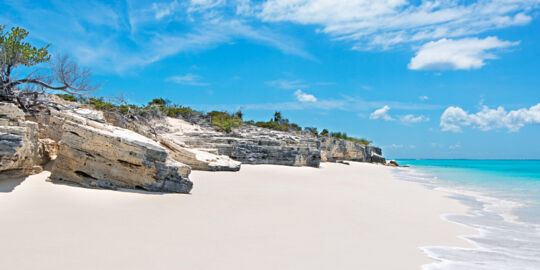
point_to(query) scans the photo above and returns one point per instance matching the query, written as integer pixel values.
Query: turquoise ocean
(504, 201)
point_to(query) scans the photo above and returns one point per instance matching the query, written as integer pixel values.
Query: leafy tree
(278, 123)
(32, 78)
(158, 101)
(239, 114)
(311, 130)
(277, 117)
(324, 132)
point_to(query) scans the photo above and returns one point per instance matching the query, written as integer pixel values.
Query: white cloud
(467, 53)
(304, 97)
(385, 23)
(123, 36)
(188, 79)
(412, 119)
(454, 118)
(381, 114)
(423, 98)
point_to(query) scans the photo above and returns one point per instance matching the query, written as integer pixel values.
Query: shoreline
(264, 217)
(502, 239)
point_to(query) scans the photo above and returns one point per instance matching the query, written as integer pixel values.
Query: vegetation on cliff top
(225, 121)
(71, 83)
(222, 121)
(277, 123)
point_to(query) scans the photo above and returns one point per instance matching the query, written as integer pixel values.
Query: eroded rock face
(21, 152)
(97, 155)
(199, 160)
(333, 149)
(249, 145)
(374, 155)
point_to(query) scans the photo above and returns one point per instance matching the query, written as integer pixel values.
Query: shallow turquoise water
(512, 179)
(504, 198)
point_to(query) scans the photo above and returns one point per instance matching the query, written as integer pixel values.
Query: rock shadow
(117, 189)
(9, 184)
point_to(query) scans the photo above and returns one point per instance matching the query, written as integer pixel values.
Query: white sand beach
(263, 217)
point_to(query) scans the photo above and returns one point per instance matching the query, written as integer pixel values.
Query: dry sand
(263, 217)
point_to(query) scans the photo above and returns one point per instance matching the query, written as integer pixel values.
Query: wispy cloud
(423, 98)
(118, 37)
(187, 79)
(290, 84)
(383, 24)
(122, 36)
(398, 146)
(413, 119)
(201, 5)
(162, 10)
(349, 104)
(455, 146)
(286, 84)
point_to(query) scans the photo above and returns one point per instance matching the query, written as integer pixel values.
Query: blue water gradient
(504, 198)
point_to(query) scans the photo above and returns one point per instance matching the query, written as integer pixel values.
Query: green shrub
(324, 132)
(100, 104)
(67, 97)
(278, 123)
(360, 141)
(343, 136)
(224, 121)
(158, 101)
(175, 111)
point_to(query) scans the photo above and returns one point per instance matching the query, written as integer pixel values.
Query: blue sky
(422, 79)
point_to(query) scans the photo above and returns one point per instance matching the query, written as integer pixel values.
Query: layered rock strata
(249, 145)
(104, 156)
(21, 151)
(333, 149)
(197, 159)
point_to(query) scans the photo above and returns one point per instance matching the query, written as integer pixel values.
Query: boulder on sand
(105, 156)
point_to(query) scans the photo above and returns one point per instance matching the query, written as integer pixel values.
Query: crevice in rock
(83, 174)
(127, 163)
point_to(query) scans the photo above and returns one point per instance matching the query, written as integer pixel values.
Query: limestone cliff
(21, 151)
(91, 151)
(249, 145)
(333, 149)
(108, 157)
(254, 145)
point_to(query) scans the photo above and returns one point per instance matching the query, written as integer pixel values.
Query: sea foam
(504, 240)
